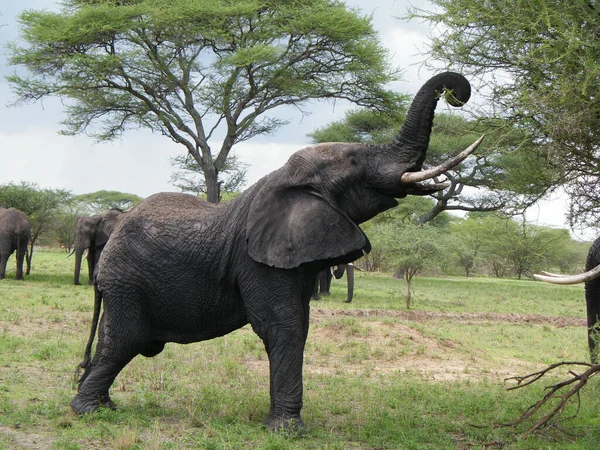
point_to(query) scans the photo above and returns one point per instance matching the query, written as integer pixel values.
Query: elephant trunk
(350, 278)
(78, 258)
(416, 130)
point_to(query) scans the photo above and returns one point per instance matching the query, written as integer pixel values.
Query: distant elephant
(178, 269)
(15, 233)
(92, 233)
(323, 283)
(591, 278)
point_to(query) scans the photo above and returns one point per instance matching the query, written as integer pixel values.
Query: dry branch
(577, 382)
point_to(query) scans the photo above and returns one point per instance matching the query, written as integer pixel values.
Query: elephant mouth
(425, 188)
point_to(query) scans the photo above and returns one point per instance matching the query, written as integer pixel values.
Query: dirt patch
(470, 318)
(373, 347)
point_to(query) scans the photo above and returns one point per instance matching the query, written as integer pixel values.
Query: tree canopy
(539, 63)
(100, 202)
(197, 71)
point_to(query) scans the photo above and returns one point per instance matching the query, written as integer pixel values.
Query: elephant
(92, 233)
(15, 232)
(591, 278)
(323, 283)
(179, 269)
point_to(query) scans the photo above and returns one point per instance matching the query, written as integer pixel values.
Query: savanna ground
(376, 375)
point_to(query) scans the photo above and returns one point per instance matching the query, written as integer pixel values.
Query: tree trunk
(213, 187)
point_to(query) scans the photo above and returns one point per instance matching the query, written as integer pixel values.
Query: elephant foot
(347, 301)
(77, 283)
(284, 423)
(81, 405)
(316, 298)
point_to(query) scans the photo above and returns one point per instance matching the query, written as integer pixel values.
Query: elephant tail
(87, 359)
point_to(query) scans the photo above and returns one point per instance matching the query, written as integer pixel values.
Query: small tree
(412, 248)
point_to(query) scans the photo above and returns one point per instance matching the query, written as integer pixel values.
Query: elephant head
(591, 278)
(91, 234)
(327, 189)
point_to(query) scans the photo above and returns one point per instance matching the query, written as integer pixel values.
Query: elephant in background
(323, 283)
(179, 269)
(15, 233)
(591, 278)
(92, 233)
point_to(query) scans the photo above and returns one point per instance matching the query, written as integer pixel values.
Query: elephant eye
(354, 160)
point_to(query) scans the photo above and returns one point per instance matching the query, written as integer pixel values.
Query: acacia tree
(197, 71)
(540, 62)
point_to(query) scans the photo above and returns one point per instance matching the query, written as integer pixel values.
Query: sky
(31, 149)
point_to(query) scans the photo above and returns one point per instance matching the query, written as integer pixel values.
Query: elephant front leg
(285, 364)
(284, 334)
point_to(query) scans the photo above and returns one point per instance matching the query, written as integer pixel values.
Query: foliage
(100, 202)
(411, 247)
(189, 179)
(197, 71)
(503, 246)
(40, 205)
(540, 64)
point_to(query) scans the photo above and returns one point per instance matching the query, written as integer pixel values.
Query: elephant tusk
(569, 279)
(415, 177)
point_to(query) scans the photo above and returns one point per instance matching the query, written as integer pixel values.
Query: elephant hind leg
(118, 344)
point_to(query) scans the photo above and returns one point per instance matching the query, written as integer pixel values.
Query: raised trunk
(419, 120)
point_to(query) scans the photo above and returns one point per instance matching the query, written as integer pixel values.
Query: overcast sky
(32, 150)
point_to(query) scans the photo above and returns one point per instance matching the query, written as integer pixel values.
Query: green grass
(372, 381)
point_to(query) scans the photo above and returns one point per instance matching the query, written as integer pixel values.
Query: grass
(372, 381)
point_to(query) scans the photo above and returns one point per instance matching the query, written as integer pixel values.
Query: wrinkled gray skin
(91, 234)
(323, 283)
(15, 232)
(178, 269)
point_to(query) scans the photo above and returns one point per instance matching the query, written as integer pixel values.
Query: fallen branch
(577, 382)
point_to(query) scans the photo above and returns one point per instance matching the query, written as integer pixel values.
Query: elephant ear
(291, 225)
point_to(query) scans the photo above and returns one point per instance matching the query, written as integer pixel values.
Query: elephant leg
(3, 261)
(592, 299)
(325, 277)
(282, 324)
(126, 336)
(315, 293)
(21, 250)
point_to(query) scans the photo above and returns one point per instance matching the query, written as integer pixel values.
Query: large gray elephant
(324, 277)
(15, 233)
(178, 269)
(91, 234)
(591, 278)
